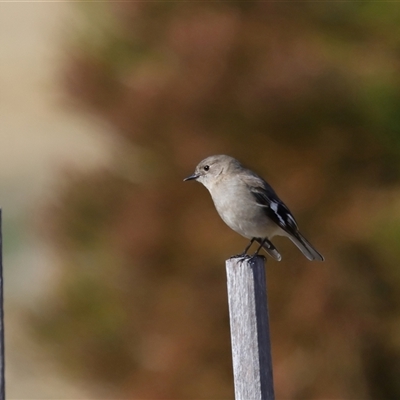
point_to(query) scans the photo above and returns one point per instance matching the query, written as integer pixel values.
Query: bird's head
(211, 169)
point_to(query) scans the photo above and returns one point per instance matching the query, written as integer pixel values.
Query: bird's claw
(242, 255)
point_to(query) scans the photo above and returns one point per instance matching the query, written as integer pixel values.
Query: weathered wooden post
(2, 355)
(248, 311)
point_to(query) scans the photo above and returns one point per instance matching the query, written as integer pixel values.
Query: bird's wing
(277, 211)
(273, 206)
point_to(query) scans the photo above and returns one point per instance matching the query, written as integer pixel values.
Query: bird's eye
(206, 167)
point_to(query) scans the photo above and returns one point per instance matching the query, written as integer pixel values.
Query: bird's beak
(191, 177)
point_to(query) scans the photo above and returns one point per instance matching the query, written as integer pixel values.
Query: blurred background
(114, 268)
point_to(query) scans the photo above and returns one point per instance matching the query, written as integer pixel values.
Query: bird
(250, 206)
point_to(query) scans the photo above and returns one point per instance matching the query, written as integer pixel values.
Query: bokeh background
(114, 268)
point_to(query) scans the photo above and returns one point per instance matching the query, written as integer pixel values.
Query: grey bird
(249, 205)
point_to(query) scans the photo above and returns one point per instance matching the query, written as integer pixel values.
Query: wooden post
(248, 311)
(2, 356)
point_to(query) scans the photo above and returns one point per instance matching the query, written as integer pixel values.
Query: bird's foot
(241, 255)
(255, 255)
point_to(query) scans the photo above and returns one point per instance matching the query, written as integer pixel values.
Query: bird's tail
(305, 247)
(270, 249)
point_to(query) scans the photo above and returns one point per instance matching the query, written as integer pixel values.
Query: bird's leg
(259, 247)
(244, 254)
(247, 248)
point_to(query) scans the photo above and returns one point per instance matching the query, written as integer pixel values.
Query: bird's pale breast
(239, 210)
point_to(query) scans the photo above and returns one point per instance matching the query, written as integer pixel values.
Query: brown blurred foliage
(306, 94)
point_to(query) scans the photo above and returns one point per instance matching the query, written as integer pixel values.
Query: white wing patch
(274, 207)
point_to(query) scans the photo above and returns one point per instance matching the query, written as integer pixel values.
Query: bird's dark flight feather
(273, 206)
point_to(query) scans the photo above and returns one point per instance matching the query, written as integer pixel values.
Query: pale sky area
(39, 137)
